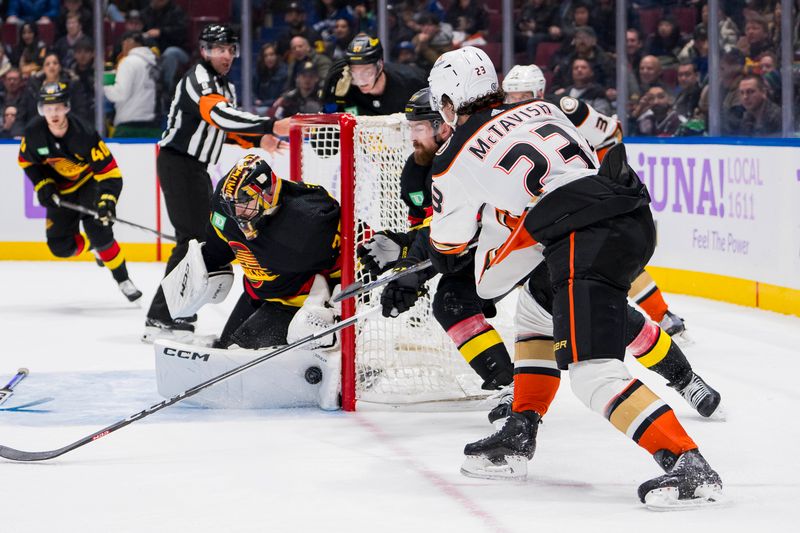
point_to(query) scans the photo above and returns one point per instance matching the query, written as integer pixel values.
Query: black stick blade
(19, 455)
(351, 290)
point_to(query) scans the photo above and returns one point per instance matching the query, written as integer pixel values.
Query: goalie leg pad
(185, 287)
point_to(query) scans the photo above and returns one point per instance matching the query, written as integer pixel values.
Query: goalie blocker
(190, 286)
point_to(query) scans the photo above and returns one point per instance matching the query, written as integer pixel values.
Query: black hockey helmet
(52, 93)
(419, 107)
(216, 33)
(364, 50)
(249, 191)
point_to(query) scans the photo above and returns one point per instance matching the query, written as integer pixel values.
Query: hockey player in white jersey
(597, 231)
(525, 82)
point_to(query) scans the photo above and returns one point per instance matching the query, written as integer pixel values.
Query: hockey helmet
(419, 107)
(52, 93)
(364, 50)
(250, 191)
(464, 76)
(216, 33)
(525, 78)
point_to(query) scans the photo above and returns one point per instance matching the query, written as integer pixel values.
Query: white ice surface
(185, 469)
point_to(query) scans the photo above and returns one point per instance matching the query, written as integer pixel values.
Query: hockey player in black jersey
(360, 83)
(283, 234)
(66, 159)
(456, 305)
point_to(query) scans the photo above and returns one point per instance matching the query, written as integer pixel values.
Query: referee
(202, 116)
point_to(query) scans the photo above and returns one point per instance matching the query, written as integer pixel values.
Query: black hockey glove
(446, 263)
(48, 194)
(401, 294)
(382, 251)
(106, 208)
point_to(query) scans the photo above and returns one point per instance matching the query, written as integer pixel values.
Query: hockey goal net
(408, 360)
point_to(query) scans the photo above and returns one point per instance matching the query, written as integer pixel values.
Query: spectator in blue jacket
(270, 79)
(20, 11)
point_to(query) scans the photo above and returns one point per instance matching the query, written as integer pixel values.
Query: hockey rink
(188, 469)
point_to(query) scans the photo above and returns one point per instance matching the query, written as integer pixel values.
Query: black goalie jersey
(299, 240)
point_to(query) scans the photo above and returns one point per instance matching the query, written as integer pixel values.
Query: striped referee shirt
(203, 116)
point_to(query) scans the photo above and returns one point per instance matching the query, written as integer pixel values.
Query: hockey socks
(536, 375)
(648, 296)
(112, 257)
(655, 350)
(483, 348)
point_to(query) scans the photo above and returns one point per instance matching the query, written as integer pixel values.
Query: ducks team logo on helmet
(249, 192)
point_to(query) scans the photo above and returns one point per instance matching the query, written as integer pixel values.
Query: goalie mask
(249, 192)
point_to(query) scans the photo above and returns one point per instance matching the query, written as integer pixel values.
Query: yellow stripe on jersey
(294, 301)
(113, 173)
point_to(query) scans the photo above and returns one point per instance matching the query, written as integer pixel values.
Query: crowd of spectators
(297, 42)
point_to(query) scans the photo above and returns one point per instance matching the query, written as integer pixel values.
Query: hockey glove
(106, 209)
(382, 251)
(337, 83)
(48, 194)
(400, 295)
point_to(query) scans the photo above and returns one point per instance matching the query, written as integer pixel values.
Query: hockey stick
(19, 455)
(87, 211)
(8, 390)
(359, 287)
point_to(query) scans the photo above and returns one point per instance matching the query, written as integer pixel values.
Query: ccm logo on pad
(186, 354)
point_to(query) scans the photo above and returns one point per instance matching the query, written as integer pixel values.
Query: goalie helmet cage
(386, 363)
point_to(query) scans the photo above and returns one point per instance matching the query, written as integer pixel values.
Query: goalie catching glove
(190, 286)
(401, 294)
(316, 313)
(383, 250)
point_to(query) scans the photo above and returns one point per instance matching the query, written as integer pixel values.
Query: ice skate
(129, 290)
(691, 483)
(505, 399)
(178, 328)
(505, 453)
(702, 398)
(675, 328)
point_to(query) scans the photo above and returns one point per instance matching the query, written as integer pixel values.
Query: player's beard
(423, 155)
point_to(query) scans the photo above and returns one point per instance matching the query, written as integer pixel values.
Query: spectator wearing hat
(696, 51)
(304, 98)
(167, 26)
(82, 89)
(295, 18)
(666, 43)
(761, 116)
(585, 47)
(32, 11)
(270, 79)
(134, 90)
(340, 37)
(65, 46)
(434, 39)
(406, 53)
(133, 21)
(302, 53)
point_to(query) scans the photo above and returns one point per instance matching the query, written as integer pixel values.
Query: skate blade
(667, 499)
(515, 467)
(719, 414)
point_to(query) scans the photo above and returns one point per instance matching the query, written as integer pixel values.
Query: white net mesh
(409, 359)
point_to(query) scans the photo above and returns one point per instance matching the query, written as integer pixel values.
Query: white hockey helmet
(524, 78)
(464, 75)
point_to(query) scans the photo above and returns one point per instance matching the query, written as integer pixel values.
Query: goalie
(285, 236)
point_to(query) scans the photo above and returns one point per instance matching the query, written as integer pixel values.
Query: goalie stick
(359, 287)
(86, 211)
(19, 455)
(8, 390)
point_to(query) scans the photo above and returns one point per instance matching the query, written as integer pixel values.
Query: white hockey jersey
(490, 170)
